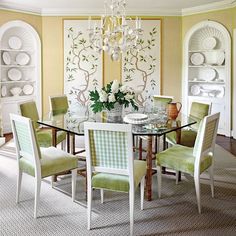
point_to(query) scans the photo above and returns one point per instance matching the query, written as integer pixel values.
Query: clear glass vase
(115, 114)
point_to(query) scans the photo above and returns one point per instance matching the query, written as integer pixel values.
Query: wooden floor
(227, 143)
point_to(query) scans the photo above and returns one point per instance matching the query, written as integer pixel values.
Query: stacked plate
(136, 118)
(197, 59)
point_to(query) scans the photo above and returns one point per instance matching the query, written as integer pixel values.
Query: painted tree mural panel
(141, 66)
(82, 65)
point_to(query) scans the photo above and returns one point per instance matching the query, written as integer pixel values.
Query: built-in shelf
(20, 68)
(207, 70)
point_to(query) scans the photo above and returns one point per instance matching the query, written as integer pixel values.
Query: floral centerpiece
(110, 96)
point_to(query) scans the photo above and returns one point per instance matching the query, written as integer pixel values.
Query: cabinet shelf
(18, 66)
(204, 50)
(17, 50)
(19, 81)
(207, 82)
(11, 99)
(207, 66)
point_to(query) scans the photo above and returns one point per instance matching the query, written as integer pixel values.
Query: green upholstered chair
(188, 136)
(192, 160)
(160, 103)
(110, 163)
(38, 162)
(44, 136)
(58, 104)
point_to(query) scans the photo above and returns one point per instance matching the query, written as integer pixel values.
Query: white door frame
(234, 85)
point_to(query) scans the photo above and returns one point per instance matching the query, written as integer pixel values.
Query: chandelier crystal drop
(115, 35)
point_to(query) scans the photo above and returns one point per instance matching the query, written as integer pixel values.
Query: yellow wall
(50, 30)
(34, 20)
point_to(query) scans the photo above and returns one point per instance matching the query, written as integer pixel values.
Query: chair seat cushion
(188, 138)
(119, 182)
(52, 160)
(44, 137)
(181, 158)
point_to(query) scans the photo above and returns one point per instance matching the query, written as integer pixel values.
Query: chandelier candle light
(114, 35)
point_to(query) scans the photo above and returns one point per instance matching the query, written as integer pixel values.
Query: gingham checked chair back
(108, 149)
(24, 136)
(207, 134)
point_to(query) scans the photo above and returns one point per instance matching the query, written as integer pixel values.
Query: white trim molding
(209, 7)
(225, 4)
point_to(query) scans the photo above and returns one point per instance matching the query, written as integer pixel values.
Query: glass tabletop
(73, 122)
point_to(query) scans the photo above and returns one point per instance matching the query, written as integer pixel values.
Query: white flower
(129, 97)
(123, 89)
(112, 98)
(103, 96)
(115, 86)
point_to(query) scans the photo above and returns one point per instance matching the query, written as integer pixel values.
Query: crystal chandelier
(114, 35)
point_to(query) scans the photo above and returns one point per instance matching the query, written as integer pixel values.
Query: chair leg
(177, 176)
(142, 191)
(131, 208)
(89, 205)
(140, 148)
(37, 195)
(211, 175)
(18, 185)
(102, 195)
(198, 193)
(159, 169)
(74, 176)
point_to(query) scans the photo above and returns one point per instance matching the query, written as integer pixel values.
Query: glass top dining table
(73, 124)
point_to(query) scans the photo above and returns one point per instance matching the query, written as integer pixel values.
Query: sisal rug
(175, 214)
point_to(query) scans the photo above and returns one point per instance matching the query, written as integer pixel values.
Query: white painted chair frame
(36, 160)
(127, 128)
(199, 154)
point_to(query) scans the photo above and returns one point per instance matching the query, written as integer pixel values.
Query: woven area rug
(175, 214)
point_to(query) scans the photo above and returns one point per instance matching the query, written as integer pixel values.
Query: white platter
(4, 91)
(22, 59)
(137, 116)
(197, 58)
(195, 90)
(209, 43)
(14, 74)
(6, 58)
(14, 42)
(28, 89)
(210, 74)
(135, 122)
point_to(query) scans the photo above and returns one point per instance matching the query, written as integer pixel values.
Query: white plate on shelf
(221, 92)
(16, 91)
(209, 43)
(4, 91)
(197, 58)
(14, 74)
(220, 58)
(137, 116)
(6, 58)
(209, 74)
(14, 42)
(22, 59)
(195, 90)
(28, 89)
